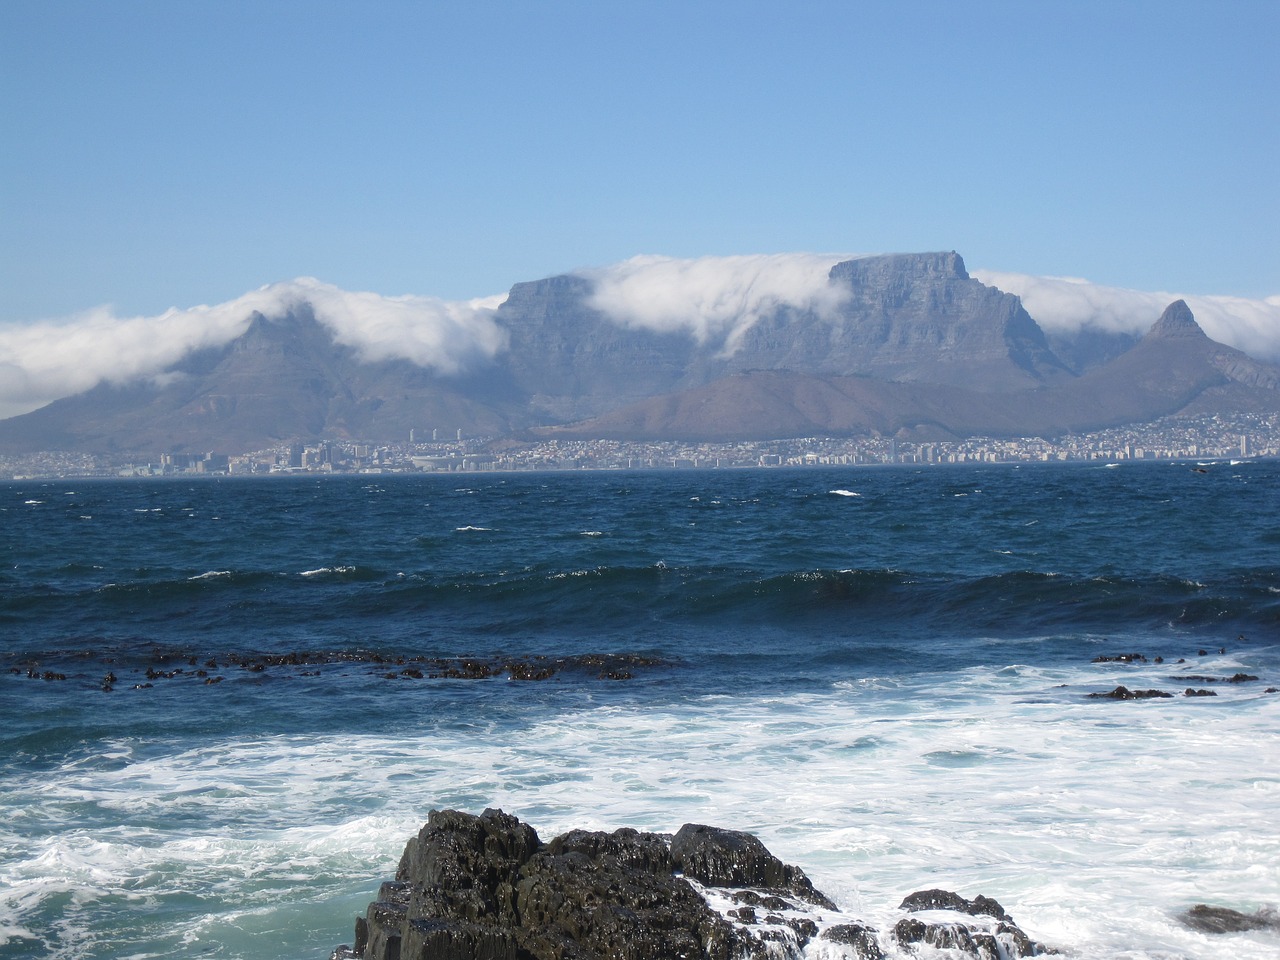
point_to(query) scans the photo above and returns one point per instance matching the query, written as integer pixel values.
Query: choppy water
(882, 672)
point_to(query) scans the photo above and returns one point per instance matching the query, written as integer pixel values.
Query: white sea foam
(211, 575)
(1092, 821)
(844, 493)
(470, 528)
(322, 571)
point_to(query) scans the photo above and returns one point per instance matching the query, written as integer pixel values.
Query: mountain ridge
(906, 345)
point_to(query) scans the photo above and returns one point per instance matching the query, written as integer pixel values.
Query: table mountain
(909, 344)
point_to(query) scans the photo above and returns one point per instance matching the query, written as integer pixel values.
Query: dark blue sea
(225, 704)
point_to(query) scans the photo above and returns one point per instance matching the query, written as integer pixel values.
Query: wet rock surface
(151, 667)
(1138, 659)
(1124, 693)
(1209, 919)
(488, 888)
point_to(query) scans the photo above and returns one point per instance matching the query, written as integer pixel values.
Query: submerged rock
(995, 938)
(1124, 693)
(862, 939)
(487, 888)
(1209, 919)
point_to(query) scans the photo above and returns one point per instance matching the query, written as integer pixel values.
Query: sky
(161, 156)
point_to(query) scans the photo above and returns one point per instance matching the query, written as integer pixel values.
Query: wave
(328, 571)
(626, 599)
(715, 609)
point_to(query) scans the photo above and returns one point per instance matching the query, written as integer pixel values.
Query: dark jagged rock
(487, 888)
(1234, 678)
(1004, 938)
(1192, 692)
(1209, 919)
(473, 887)
(994, 942)
(156, 664)
(946, 900)
(1122, 658)
(729, 858)
(863, 939)
(1124, 693)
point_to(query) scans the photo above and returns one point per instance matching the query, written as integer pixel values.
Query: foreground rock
(487, 888)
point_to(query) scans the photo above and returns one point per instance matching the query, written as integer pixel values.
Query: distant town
(1199, 438)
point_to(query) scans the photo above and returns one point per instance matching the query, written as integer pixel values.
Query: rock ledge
(487, 888)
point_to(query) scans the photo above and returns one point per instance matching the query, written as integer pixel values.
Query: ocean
(226, 704)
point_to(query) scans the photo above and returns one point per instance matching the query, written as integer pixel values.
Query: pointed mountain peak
(1178, 322)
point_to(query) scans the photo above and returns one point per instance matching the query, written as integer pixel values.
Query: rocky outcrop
(1124, 693)
(487, 888)
(1209, 919)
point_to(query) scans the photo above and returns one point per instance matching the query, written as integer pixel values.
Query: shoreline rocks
(1133, 659)
(488, 888)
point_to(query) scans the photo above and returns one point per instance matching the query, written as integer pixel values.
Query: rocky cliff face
(922, 318)
(571, 361)
(487, 888)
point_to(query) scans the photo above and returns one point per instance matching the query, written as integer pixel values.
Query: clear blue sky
(175, 153)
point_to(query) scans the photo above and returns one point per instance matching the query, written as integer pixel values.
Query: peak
(1177, 321)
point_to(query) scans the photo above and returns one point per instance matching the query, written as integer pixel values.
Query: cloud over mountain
(714, 299)
(1067, 304)
(44, 361)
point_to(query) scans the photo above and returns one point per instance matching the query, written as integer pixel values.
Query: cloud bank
(1066, 304)
(713, 299)
(42, 362)
(448, 336)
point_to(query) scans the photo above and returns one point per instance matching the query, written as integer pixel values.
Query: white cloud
(1064, 304)
(41, 362)
(446, 336)
(714, 299)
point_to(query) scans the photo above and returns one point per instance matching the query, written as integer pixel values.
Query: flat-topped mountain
(903, 317)
(905, 344)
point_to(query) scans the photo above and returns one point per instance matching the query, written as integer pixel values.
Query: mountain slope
(283, 379)
(1174, 369)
